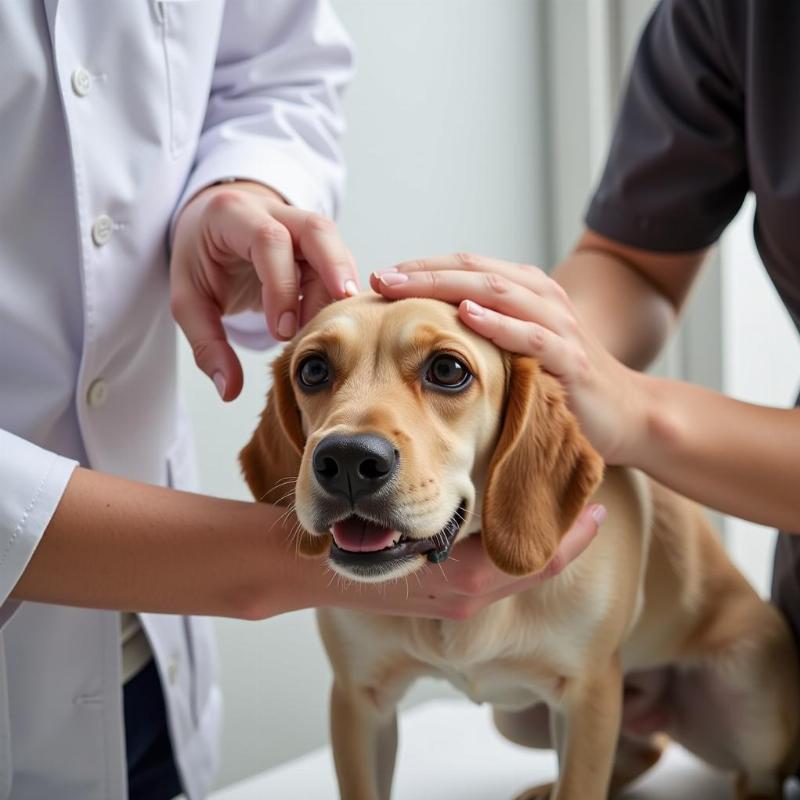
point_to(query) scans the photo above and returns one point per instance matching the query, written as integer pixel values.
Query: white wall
(444, 154)
(444, 143)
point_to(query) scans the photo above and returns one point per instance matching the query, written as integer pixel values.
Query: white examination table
(449, 750)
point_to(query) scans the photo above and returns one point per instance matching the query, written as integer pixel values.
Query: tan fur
(654, 603)
(542, 458)
(271, 459)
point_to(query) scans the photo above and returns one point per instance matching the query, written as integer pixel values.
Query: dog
(406, 433)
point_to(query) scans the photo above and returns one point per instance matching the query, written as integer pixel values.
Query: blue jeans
(152, 774)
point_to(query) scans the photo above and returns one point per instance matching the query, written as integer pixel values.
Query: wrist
(655, 427)
(279, 579)
(252, 186)
(643, 418)
(195, 205)
(236, 185)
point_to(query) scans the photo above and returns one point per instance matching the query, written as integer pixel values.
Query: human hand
(522, 310)
(466, 583)
(239, 246)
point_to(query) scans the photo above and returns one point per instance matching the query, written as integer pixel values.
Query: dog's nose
(354, 465)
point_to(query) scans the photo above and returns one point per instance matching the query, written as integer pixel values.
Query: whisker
(292, 537)
(286, 514)
(279, 500)
(297, 532)
(283, 482)
(282, 518)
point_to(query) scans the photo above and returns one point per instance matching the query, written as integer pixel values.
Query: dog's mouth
(362, 542)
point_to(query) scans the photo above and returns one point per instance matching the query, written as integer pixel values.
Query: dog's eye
(313, 372)
(448, 372)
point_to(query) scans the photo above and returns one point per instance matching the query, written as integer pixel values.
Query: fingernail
(287, 324)
(378, 272)
(599, 514)
(392, 278)
(350, 288)
(219, 382)
(474, 309)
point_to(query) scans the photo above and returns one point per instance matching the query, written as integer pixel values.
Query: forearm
(627, 315)
(732, 456)
(119, 544)
(736, 457)
(630, 299)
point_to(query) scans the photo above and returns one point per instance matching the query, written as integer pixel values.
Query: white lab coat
(113, 114)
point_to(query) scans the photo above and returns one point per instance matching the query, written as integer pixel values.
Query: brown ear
(271, 459)
(541, 475)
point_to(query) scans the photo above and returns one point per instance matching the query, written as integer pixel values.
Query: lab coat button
(102, 229)
(81, 82)
(97, 394)
(172, 671)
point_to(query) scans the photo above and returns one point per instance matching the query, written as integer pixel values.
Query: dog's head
(396, 431)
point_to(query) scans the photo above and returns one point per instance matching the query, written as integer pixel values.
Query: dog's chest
(515, 652)
(509, 686)
(505, 656)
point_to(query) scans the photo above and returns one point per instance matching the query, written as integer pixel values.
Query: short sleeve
(677, 169)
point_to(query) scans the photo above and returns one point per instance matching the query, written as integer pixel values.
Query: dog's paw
(542, 792)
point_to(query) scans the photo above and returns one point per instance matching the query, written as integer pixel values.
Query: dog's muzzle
(356, 474)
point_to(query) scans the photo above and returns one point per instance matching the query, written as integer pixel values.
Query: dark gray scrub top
(712, 111)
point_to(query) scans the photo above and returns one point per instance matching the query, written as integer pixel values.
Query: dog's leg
(530, 728)
(537, 793)
(736, 707)
(364, 738)
(538, 727)
(592, 712)
(635, 756)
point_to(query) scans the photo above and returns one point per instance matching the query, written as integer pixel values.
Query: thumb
(201, 321)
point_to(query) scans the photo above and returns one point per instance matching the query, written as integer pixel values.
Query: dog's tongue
(359, 536)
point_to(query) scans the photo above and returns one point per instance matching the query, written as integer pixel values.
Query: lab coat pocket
(189, 35)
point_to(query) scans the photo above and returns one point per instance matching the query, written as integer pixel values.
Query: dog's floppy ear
(271, 459)
(542, 473)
